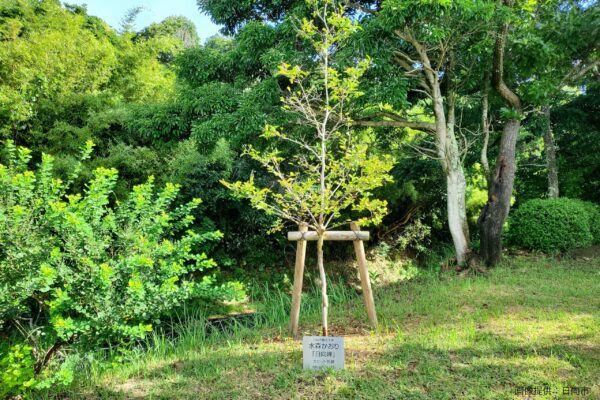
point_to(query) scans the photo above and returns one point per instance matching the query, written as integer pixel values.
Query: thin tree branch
(422, 126)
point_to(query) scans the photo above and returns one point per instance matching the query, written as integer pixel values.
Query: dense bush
(16, 370)
(551, 225)
(77, 270)
(594, 220)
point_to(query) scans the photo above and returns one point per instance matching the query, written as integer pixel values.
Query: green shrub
(16, 371)
(551, 225)
(84, 272)
(594, 220)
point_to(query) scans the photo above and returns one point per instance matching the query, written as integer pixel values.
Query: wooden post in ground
(365, 281)
(298, 277)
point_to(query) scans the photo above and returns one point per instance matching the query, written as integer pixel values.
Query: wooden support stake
(298, 277)
(365, 281)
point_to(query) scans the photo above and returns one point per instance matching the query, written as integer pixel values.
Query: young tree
(331, 170)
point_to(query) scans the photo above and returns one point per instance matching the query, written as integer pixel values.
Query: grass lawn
(530, 324)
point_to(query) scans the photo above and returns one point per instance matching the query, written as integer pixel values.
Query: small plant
(382, 250)
(416, 236)
(374, 277)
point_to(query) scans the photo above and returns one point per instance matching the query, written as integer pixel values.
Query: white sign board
(323, 352)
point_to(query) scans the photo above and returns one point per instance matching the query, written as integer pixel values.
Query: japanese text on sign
(323, 352)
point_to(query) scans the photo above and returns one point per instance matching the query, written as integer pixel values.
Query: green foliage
(233, 15)
(177, 27)
(198, 171)
(18, 376)
(577, 126)
(53, 57)
(90, 271)
(252, 55)
(549, 50)
(415, 236)
(134, 164)
(140, 75)
(477, 195)
(551, 225)
(16, 371)
(48, 53)
(159, 122)
(200, 65)
(593, 211)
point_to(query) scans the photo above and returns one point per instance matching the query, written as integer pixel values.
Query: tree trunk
(550, 149)
(324, 300)
(495, 212)
(456, 186)
(457, 214)
(447, 149)
(485, 128)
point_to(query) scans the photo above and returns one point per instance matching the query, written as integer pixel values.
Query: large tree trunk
(496, 210)
(550, 149)
(456, 188)
(324, 300)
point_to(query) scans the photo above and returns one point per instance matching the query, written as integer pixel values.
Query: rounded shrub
(551, 225)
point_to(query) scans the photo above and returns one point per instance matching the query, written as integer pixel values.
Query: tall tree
(178, 27)
(47, 53)
(494, 213)
(438, 44)
(553, 59)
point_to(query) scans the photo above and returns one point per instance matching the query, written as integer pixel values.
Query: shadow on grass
(490, 367)
(476, 338)
(493, 367)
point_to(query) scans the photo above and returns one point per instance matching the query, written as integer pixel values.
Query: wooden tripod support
(356, 236)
